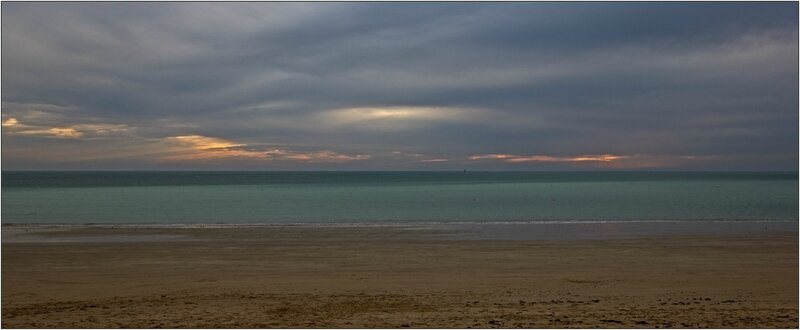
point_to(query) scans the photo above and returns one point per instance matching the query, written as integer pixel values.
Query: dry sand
(391, 277)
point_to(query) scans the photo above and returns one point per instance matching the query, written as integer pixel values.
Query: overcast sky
(395, 86)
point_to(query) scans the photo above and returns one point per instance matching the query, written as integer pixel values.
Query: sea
(376, 198)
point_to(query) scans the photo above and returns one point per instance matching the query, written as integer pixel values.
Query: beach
(360, 165)
(392, 277)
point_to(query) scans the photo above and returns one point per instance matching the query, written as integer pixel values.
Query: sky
(400, 86)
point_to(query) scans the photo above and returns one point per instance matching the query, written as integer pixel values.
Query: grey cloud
(560, 79)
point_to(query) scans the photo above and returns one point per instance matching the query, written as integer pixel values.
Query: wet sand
(391, 277)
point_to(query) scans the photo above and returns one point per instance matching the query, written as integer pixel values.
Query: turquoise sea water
(391, 197)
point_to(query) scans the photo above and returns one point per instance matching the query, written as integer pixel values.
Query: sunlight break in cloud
(394, 117)
(325, 156)
(10, 122)
(15, 127)
(635, 161)
(200, 142)
(204, 147)
(53, 132)
(66, 132)
(543, 158)
(100, 129)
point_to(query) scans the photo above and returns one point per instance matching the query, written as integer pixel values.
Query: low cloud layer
(522, 86)
(201, 148)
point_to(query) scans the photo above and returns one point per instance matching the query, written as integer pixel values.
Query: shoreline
(382, 223)
(519, 231)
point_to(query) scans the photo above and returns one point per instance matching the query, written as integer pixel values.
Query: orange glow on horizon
(544, 158)
(204, 148)
(74, 131)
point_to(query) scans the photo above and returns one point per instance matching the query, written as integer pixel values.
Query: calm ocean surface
(386, 197)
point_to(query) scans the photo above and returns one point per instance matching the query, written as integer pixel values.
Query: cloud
(542, 158)
(325, 156)
(435, 160)
(608, 161)
(10, 122)
(399, 117)
(205, 148)
(15, 127)
(199, 142)
(328, 81)
(101, 129)
(66, 132)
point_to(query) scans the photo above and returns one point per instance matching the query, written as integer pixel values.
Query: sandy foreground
(391, 277)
